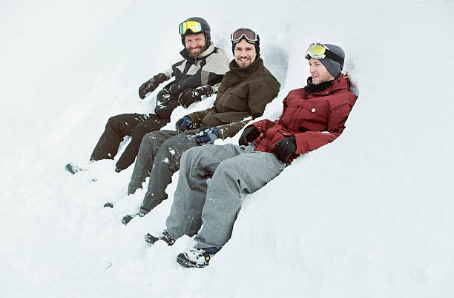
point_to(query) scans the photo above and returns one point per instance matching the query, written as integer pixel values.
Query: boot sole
(187, 264)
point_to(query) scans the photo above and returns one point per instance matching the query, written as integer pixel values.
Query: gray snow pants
(215, 203)
(159, 157)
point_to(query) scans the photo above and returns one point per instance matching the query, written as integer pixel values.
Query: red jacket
(314, 118)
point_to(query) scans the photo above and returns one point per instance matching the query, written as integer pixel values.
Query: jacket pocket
(234, 101)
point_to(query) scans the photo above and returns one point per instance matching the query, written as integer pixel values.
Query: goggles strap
(246, 33)
(334, 57)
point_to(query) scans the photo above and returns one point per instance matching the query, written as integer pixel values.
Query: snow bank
(369, 215)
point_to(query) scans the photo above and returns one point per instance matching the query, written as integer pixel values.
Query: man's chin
(194, 54)
(243, 65)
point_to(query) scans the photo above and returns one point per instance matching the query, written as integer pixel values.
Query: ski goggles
(238, 34)
(319, 51)
(194, 26)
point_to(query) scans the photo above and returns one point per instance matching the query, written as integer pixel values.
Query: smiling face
(195, 44)
(245, 54)
(318, 72)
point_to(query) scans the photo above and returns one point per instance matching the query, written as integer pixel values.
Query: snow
(369, 215)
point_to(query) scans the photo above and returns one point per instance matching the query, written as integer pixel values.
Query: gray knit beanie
(333, 67)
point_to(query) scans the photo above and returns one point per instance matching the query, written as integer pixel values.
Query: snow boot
(165, 236)
(73, 169)
(108, 205)
(194, 258)
(127, 218)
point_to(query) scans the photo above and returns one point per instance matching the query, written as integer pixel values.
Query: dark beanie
(256, 44)
(333, 67)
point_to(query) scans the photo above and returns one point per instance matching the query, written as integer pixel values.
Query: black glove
(175, 88)
(165, 104)
(285, 148)
(189, 96)
(151, 84)
(163, 98)
(249, 134)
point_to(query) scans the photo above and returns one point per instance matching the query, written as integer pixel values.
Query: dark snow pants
(117, 127)
(159, 158)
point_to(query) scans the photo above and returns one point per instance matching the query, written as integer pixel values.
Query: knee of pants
(192, 158)
(168, 148)
(139, 131)
(149, 139)
(112, 122)
(228, 168)
(119, 125)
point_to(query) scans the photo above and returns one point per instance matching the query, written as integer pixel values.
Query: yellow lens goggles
(319, 51)
(194, 26)
(316, 50)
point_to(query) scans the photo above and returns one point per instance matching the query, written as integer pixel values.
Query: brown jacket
(243, 94)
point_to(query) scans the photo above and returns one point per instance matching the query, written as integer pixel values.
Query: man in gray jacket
(197, 76)
(243, 94)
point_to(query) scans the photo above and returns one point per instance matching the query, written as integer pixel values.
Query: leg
(197, 165)
(150, 124)
(245, 173)
(116, 129)
(166, 163)
(147, 151)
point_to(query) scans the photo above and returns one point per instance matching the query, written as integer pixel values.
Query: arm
(265, 124)
(168, 73)
(197, 117)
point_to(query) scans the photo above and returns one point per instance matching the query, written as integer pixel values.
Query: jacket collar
(256, 65)
(342, 82)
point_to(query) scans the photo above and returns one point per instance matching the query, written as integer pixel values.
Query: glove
(207, 136)
(163, 98)
(285, 148)
(183, 124)
(165, 104)
(175, 88)
(249, 134)
(189, 96)
(151, 84)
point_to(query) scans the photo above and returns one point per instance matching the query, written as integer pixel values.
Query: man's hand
(189, 96)
(285, 148)
(249, 134)
(151, 84)
(207, 136)
(183, 124)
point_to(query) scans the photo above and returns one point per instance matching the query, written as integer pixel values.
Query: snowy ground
(370, 215)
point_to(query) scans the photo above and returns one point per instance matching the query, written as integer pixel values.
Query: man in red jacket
(313, 116)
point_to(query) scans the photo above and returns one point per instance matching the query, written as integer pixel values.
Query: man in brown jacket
(243, 94)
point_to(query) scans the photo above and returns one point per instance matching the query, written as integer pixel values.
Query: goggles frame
(243, 33)
(319, 51)
(194, 26)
